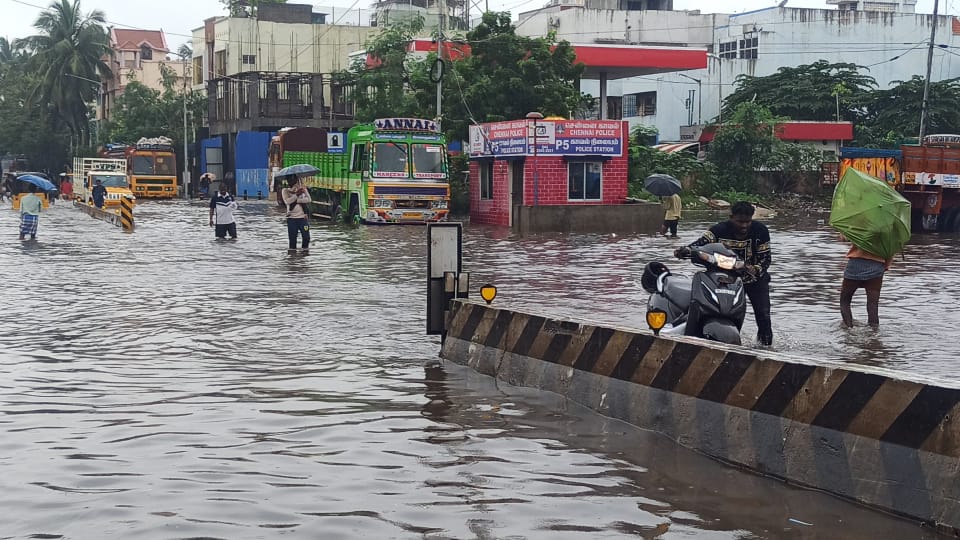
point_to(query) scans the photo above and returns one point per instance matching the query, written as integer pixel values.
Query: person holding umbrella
(875, 218)
(296, 198)
(668, 189)
(672, 206)
(30, 207)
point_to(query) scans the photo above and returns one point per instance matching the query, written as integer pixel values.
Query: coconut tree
(69, 55)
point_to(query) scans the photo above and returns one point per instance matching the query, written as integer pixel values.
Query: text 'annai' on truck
(393, 170)
(151, 166)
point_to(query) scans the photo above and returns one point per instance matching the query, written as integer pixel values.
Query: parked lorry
(151, 166)
(393, 170)
(110, 172)
(927, 174)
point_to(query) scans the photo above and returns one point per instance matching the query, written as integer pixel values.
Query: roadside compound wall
(860, 433)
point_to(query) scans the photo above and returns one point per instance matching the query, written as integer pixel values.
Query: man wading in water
(750, 240)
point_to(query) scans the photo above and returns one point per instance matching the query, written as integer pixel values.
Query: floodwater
(162, 385)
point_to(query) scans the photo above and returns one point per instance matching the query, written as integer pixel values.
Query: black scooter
(711, 305)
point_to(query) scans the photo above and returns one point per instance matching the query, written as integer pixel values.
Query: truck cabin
(151, 163)
(108, 180)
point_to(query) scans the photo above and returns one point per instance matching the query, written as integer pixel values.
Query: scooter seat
(677, 290)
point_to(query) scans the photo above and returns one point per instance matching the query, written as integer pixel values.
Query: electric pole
(925, 108)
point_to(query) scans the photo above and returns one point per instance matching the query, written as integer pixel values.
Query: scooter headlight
(725, 262)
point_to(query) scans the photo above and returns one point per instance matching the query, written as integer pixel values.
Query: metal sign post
(444, 264)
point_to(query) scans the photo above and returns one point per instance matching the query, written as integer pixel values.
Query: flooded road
(162, 385)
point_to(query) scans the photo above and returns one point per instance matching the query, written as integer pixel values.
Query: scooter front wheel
(722, 331)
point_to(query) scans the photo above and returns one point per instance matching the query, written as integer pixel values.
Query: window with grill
(748, 48)
(220, 63)
(146, 53)
(486, 180)
(249, 59)
(728, 50)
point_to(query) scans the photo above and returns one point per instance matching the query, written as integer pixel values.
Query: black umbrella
(662, 185)
(295, 170)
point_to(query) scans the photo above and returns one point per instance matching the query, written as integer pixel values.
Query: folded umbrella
(294, 170)
(662, 185)
(871, 214)
(38, 181)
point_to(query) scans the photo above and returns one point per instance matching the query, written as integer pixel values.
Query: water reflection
(164, 385)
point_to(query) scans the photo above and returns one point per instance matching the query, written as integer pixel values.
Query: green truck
(393, 170)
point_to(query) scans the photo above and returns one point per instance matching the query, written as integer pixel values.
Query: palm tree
(6, 51)
(70, 53)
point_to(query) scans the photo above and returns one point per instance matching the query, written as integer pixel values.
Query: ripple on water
(163, 385)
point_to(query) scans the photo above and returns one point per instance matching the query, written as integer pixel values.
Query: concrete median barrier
(869, 435)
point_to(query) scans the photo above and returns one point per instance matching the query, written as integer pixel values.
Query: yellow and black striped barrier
(865, 434)
(126, 214)
(122, 218)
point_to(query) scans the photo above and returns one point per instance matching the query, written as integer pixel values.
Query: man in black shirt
(750, 240)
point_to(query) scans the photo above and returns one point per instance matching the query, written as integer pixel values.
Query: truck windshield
(428, 161)
(109, 180)
(164, 165)
(142, 165)
(390, 159)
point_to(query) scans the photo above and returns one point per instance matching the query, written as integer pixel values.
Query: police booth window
(390, 157)
(585, 180)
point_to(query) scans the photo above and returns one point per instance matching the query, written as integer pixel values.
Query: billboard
(552, 138)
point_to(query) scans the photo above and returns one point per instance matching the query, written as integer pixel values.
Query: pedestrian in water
(750, 240)
(30, 207)
(296, 198)
(66, 186)
(222, 205)
(99, 194)
(205, 180)
(672, 206)
(864, 269)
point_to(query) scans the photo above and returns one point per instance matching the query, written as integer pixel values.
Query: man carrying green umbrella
(876, 220)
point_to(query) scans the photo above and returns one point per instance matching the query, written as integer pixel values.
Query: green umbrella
(870, 214)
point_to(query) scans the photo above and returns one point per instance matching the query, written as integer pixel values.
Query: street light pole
(925, 108)
(186, 171)
(719, 86)
(536, 185)
(699, 97)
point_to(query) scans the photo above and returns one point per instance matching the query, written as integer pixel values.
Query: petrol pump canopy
(622, 61)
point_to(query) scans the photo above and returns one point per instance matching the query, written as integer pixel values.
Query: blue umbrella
(41, 183)
(294, 170)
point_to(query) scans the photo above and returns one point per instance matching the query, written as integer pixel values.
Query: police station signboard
(553, 138)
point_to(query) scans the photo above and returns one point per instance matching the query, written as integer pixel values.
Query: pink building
(574, 178)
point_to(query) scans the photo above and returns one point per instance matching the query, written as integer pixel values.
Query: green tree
(508, 75)
(68, 61)
(645, 160)
(246, 8)
(24, 129)
(806, 92)
(387, 86)
(742, 147)
(894, 114)
(144, 112)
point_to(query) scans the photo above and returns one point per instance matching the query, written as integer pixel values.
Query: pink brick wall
(552, 181)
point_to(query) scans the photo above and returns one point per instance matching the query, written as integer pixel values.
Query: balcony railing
(268, 97)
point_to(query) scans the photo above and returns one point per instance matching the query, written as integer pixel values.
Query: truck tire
(336, 216)
(353, 215)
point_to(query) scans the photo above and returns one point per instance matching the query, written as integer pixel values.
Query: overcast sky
(178, 17)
